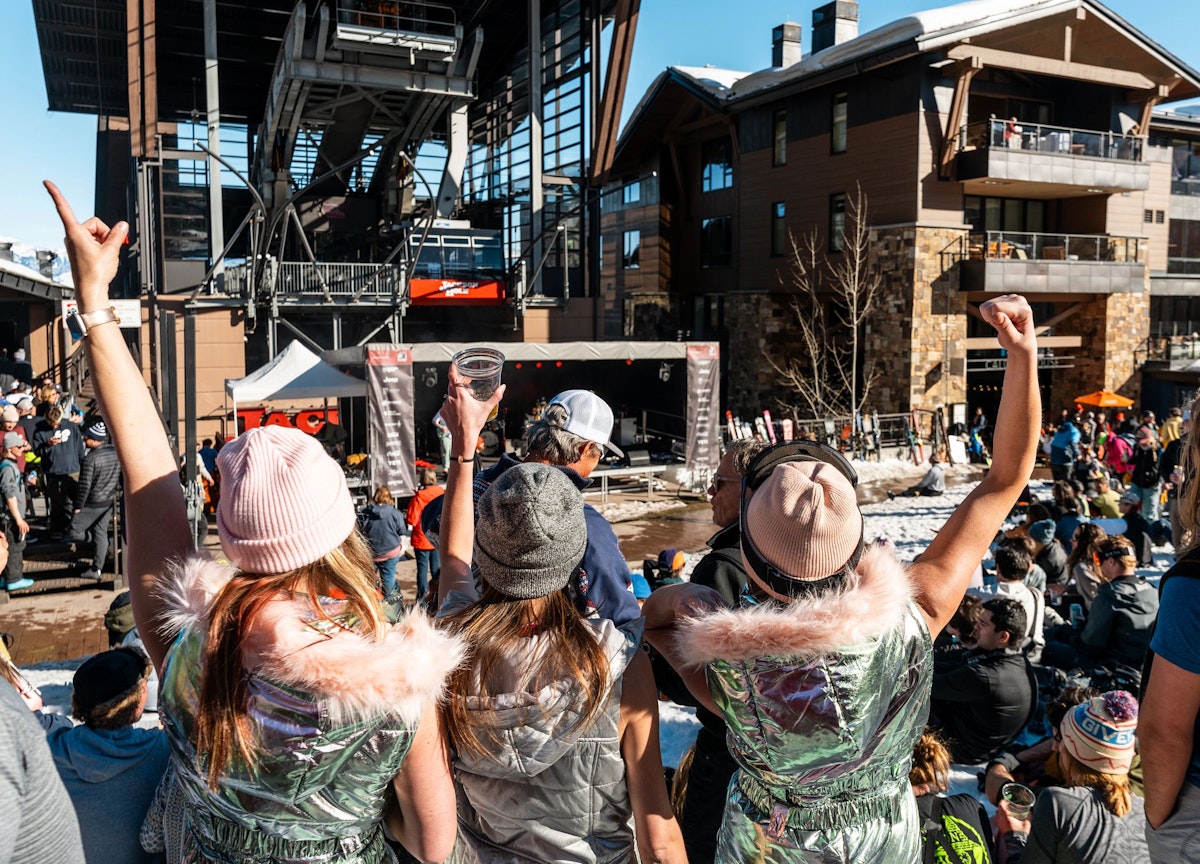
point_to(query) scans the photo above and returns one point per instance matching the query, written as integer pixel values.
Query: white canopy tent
(295, 373)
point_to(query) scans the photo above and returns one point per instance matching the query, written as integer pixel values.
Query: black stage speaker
(637, 458)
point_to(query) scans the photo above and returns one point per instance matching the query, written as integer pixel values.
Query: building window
(1159, 217)
(1148, 217)
(1021, 215)
(629, 258)
(778, 228)
(717, 165)
(632, 193)
(837, 222)
(780, 155)
(716, 242)
(838, 134)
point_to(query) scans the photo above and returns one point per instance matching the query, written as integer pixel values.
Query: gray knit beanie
(530, 534)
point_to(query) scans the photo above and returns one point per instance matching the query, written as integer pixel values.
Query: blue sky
(35, 143)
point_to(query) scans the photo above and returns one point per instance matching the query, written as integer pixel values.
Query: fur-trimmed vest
(824, 699)
(334, 715)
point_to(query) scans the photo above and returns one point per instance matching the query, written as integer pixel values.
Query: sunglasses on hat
(756, 474)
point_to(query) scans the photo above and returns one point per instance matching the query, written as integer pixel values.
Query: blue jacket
(383, 526)
(603, 587)
(1064, 446)
(111, 776)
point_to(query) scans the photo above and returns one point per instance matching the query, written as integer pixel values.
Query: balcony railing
(342, 280)
(1184, 266)
(1039, 138)
(411, 16)
(1053, 247)
(1186, 186)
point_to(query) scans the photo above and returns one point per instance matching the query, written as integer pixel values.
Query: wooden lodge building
(1002, 146)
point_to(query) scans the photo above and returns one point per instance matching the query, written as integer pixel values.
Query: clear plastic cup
(1020, 800)
(482, 367)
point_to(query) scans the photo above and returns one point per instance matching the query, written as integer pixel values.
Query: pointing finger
(60, 203)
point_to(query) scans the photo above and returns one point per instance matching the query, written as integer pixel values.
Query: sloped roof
(295, 373)
(940, 28)
(20, 278)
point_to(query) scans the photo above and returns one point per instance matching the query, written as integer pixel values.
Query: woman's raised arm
(155, 516)
(465, 416)
(942, 573)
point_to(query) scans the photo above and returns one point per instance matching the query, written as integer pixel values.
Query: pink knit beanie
(804, 520)
(284, 502)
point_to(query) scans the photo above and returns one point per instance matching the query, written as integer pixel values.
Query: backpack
(1118, 455)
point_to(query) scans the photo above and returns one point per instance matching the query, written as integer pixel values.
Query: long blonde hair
(1115, 792)
(493, 628)
(223, 731)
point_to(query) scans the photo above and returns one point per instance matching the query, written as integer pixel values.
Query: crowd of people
(52, 448)
(311, 714)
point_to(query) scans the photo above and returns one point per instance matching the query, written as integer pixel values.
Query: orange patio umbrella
(1104, 399)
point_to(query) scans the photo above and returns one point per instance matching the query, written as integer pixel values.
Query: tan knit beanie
(804, 520)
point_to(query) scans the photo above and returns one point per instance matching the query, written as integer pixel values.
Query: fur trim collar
(356, 677)
(874, 600)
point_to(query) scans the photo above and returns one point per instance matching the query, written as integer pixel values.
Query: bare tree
(823, 375)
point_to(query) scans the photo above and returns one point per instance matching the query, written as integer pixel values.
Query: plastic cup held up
(1020, 800)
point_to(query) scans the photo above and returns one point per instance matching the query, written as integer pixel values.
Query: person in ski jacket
(823, 675)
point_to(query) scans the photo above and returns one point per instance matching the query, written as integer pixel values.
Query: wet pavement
(62, 617)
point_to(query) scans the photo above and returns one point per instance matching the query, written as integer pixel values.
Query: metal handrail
(411, 16)
(342, 279)
(1054, 247)
(1042, 138)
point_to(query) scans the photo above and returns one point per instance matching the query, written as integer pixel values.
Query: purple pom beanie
(284, 502)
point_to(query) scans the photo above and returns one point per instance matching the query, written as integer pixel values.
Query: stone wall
(756, 323)
(918, 338)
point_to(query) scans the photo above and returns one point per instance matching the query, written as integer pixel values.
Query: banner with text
(390, 418)
(704, 390)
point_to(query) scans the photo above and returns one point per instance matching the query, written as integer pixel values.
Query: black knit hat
(105, 676)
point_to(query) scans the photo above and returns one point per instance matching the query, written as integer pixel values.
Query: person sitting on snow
(933, 483)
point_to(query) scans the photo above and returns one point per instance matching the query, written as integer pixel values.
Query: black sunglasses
(756, 474)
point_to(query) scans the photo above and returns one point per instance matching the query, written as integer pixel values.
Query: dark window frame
(722, 172)
(716, 257)
(631, 258)
(837, 222)
(779, 244)
(778, 141)
(839, 128)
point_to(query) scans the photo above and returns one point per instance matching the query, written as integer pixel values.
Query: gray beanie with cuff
(530, 533)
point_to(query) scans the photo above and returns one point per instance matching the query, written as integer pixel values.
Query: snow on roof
(711, 77)
(26, 272)
(924, 30)
(934, 29)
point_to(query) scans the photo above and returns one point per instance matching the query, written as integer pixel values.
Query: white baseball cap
(588, 416)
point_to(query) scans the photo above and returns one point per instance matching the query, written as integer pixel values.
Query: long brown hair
(931, 763)
(493, 628)
(222, 729)
(1115, 792)
(1189, 494)
(1086, 547)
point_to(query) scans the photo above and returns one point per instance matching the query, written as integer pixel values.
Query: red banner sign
(311, 421)
(456, 292)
